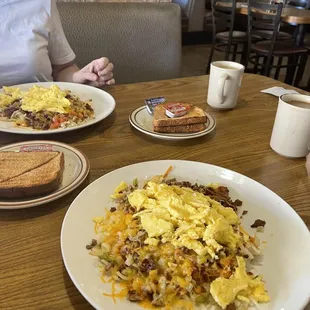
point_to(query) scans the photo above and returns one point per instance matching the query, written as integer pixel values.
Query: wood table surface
(32, 272)
(289, 14)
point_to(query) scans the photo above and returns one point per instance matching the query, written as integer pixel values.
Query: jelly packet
(151, 103)
(176, 109)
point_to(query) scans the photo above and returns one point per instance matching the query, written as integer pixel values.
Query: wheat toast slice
(38, 181)
(13, 164)
(181, 128)
(194, 116)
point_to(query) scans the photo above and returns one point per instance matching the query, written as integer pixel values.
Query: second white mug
(291, 130)
(224, 84)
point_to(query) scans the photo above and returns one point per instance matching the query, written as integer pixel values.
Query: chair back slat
(259, 25)
(263, 16)
(223, 17)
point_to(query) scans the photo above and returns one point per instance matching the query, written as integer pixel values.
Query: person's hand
(98, 73)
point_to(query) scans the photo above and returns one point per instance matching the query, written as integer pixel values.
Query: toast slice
(13, 164)
(194, 116)
(38, 181)
(181, 128)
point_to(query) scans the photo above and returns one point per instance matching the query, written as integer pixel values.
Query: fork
(41, 78)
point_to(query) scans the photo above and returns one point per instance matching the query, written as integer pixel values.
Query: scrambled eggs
(10, 95)
(37, 98)
(49, 99)
(180, 215)
(240, 286)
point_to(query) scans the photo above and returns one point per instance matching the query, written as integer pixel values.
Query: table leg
(290, 70)
(301, 32)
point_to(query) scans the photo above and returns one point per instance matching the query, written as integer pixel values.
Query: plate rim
(171, 136)
(92, 302)
(67, 129)
(85, 168)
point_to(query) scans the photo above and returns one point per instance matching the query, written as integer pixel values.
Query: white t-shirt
(31, 40)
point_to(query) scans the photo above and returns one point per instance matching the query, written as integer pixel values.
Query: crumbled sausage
(185, 250)
(93, 244)
(147, 265)
(258, 223)
(133, 295)
(231, 307)
(238, 203)
(113, 209)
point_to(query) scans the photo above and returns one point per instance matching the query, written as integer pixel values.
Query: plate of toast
(37, 172)
(173, 121)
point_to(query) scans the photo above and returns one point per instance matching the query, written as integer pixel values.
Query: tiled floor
(195, 59)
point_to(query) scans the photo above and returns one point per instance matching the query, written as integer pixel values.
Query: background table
(32, 272)
(290, 15)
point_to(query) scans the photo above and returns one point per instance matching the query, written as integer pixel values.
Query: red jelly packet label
(36, 148)
(176, 109)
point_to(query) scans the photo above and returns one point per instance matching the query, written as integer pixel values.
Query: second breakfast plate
(143, 121)
(285, 239)
(102, 103)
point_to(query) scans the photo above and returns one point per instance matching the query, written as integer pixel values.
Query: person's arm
(64, 73)
(98, 73)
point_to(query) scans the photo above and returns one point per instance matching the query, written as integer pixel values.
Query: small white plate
(75, 172)
(284, 265)
(102, 103)
(142, 120)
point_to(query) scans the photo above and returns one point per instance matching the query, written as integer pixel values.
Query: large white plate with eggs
(284, 266)
(102, 103)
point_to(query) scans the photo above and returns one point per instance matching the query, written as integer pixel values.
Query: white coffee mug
(224, 84)
(291, 131)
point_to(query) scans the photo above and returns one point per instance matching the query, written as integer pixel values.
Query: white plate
(76, 169)
(142, 120)
(102, 103)
(285, 265)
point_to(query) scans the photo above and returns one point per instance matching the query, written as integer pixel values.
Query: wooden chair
(262, 16)
(229, 40)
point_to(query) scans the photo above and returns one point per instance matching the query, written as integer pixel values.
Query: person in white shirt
(33, 44)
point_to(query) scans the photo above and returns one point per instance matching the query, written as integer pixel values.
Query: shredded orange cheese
(168, 171)
(121, 294)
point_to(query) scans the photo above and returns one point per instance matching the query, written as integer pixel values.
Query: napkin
(278, 91)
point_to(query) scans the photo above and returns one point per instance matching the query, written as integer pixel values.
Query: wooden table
(32, 272)
(289, 14)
